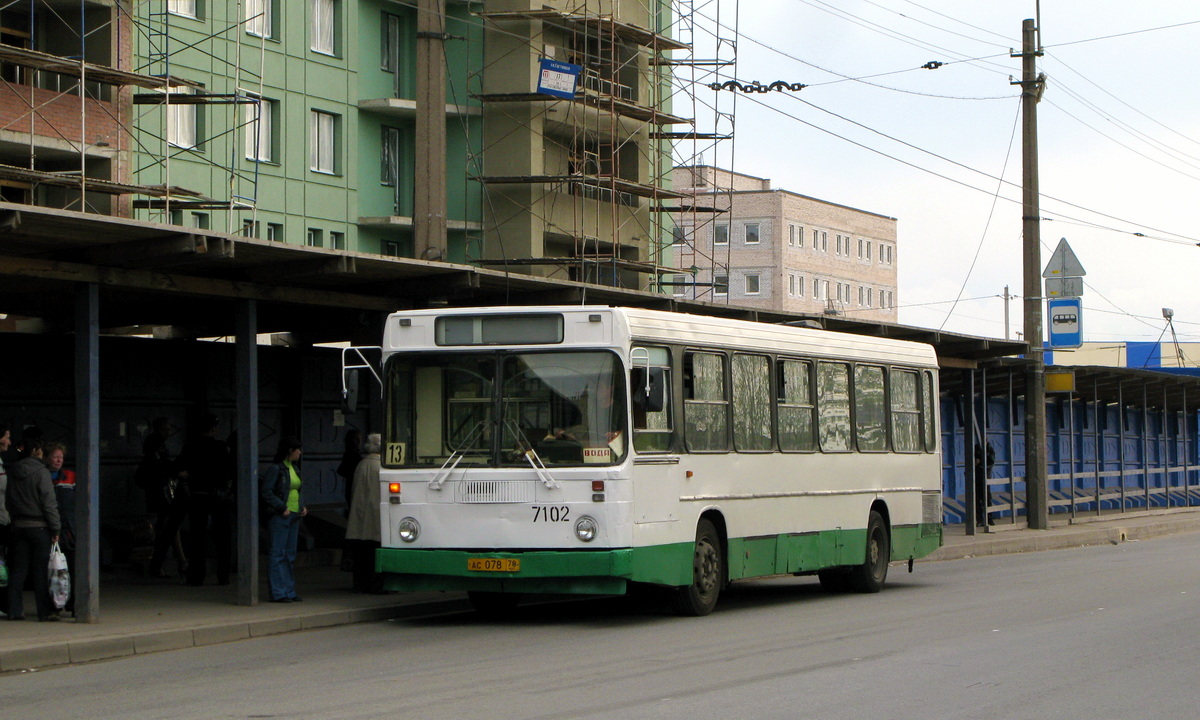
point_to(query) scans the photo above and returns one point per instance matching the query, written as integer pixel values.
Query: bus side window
(833, 406)
(650, 395)
(795, 407)
(706, 402)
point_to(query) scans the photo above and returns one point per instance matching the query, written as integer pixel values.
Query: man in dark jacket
(35, 526)
(204, 464)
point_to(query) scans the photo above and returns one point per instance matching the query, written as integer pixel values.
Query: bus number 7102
(552, 513)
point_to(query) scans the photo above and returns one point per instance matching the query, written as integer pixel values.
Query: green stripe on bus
(606, 571)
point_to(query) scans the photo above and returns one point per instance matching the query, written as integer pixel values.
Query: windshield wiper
(535, 461)
(443, 473)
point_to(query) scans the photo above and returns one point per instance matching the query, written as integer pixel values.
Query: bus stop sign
(1066, 322)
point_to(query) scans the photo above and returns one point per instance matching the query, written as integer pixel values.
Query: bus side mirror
(350, 393)
(648, 388)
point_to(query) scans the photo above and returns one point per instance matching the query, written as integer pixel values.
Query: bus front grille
(495, 491)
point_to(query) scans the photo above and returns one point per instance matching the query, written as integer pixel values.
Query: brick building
(779, 250)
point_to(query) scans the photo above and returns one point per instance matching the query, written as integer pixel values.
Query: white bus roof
(706, 331)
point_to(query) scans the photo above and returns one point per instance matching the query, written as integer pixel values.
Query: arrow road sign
(1063, 263)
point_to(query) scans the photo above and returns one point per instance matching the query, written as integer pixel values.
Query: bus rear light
(597, 486)
(394, 488)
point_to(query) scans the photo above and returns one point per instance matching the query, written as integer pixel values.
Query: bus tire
(870, 576)
(493, 604)
(708, 574)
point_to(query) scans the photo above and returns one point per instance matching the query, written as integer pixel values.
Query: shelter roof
(153, 274)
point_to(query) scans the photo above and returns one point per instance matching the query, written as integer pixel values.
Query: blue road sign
(1064, 317)
(558, 79)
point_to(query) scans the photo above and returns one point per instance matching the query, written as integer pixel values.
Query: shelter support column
(247, 452)
(87, 430)
(970, 439)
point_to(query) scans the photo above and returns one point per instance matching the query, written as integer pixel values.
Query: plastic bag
(60, 579)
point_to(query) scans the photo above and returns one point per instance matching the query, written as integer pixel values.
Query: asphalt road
(1099, 632)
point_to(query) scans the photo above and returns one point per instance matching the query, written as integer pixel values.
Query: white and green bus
(581, 449)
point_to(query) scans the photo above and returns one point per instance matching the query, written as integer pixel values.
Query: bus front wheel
(708, 574)
(869, 577)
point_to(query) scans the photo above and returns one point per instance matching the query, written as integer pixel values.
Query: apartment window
(720, 285)
(677, 235)
(260, 18)
(824, 241)
(275, 232)
(183, 127)
(889, 254)
(868, 251)
(816, 239)
(249, 228)
(200, 220)
(791, 285)
(800, 286)
(389, 43)
(752, 233)
(679, 285)
(260, 131)
(324, 18)
(314, 238)
(391, 248)
(337, 240)
(389, 156)
(752, 284)
(186, 8)
(870, 296)
(721, 235)
(862, 295)
(322, 142)
(791, 235)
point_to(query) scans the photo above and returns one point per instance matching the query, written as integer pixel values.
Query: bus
(586, 449)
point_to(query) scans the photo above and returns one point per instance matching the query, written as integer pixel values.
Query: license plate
(494, 564)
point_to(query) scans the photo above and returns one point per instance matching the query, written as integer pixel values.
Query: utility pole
(1032, 84)
(1007, 297)
(429, 201)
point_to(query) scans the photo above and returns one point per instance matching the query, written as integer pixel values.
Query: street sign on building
(1065, 320)
(558, 79)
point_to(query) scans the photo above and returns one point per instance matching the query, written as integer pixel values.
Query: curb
(70, 652)
(1075, 536)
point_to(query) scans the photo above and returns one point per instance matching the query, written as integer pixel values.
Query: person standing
(5, 443)
(64, 494)
(204, 466)
(34, 528)
(362, 527)
(351, 455)
(156, 476)
(281, 493)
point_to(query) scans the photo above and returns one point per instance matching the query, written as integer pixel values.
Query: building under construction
(397, 128)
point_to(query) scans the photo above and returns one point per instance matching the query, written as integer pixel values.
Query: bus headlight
(409, 529)
(586, 528)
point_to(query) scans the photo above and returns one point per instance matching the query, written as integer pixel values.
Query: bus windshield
(500, 409)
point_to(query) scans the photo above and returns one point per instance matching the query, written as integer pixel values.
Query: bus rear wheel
(708, 574)
(870, 576)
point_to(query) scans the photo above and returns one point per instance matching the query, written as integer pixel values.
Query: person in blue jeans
(281, 493)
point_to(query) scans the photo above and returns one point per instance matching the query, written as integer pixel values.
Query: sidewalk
(143, 615)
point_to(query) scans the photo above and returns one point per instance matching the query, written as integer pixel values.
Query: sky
(1119, 145)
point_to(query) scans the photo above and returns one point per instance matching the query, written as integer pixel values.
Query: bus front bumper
(592, 572)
